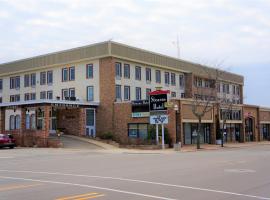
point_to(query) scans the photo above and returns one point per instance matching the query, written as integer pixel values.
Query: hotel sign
(158, 100)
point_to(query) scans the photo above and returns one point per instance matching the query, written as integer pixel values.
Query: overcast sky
(235, 33)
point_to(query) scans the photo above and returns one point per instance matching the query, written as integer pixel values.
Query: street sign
(159, 119)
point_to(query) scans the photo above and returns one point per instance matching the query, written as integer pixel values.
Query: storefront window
(191, 133)
(40, 119)
(138, 131)
(33, 121)
(12, 122)
(27, 121)
(17, 122)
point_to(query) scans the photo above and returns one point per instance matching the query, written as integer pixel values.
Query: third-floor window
(118, 70)
(158, 76)
(173, 78)
(72, 73)
(42, 78)
(89, 71)
(148, 74)
(138, 73)
(49, 77)
(126, 71)
(167, 78)
(65, 74)
(15, 82)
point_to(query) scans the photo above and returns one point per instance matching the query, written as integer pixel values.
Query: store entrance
(249, 129)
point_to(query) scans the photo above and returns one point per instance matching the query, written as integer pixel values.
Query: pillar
(82, 122)
(2, 119)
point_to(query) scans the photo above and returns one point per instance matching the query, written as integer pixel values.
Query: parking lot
(81, 174)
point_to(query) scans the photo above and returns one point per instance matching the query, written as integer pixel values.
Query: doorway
(90, 122)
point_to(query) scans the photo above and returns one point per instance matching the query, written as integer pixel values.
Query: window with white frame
(27, 121)
(158, 76)
(138, 93)
(181, 80)
(118, 95)
(72, 73)
(126, 71)
(138, 75)
(173, 79)
(1, 84)
(42, 78)
(26, 80)
(49, 77)
(11, 122)
(43, 95)
(33, 121)
(15, 82)
(65, 94)
(90, 93)
(17, 122)
(118, 70)
(33, 79)
(89, 71)
(50, 94)
(148, 74)
(167, 78)
(64, 74)
(71, 92)
(14, 98)
(126, 93)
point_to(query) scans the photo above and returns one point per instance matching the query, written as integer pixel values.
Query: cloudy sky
(235, 33)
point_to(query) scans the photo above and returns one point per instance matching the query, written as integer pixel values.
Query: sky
(230, 34)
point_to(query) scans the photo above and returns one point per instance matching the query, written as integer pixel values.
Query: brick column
(82, 121)
(2, 119)
(23, 126)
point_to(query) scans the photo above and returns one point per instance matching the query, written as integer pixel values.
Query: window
(14, 98)
(1, 84)
(43, 95)
(1, 100)
(33, 79)
(27, 121)
(167, 78)
(90, 93)
(72, 73)
(138, 130)
(227, 88)
(148, 90)
(64, 74)
(238, 90)
(71, 92)
(50, 94)
(138, 93)
(40, 119)
(173, 94)
(218, 87)
(17, 122)
(33, 121)
(27, 97)
(33, 96)
(148, 74)
(26, 80)
(49, 77)
(11, 122)
(65, 94)
(223, 88)
(42, 78)
(15, 82)
(118, 70)
(158, 76)
(181, 80)
(173, 78)
(118, 92)
(126, 71)
(126, 93)
(182, 95)
(199, 82)
(138, 73)
(206, 84)
(89, 71)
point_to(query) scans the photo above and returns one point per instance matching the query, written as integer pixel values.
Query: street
(81, 174)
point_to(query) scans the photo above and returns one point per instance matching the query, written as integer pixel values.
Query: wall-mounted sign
(159, 119)
(140, 106)
(140, 114)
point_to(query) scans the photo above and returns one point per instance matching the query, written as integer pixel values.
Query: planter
(218, 141)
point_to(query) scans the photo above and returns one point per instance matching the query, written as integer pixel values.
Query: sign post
(158, 111)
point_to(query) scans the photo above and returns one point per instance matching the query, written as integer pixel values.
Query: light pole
(177, 145)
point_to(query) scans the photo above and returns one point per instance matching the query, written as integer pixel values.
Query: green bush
(107, 136)
(152, 134)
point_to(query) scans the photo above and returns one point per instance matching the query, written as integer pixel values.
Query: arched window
(11, 122)
(33, 121)
(17, 122)
(27, 121)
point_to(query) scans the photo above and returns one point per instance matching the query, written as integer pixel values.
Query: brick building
(101, 88)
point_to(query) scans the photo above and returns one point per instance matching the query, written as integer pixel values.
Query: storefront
(191, 133)
(265, 131)
(232, 132)
(249, 129)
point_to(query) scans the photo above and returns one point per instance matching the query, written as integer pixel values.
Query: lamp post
(177, 145)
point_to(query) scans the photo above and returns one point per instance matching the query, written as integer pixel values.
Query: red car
(7, 141)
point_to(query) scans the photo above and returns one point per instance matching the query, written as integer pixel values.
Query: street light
(177, 144)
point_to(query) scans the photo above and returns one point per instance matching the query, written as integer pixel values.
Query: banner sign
(159, 119)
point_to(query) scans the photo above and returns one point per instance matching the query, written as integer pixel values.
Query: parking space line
(76, 196)
(13, 187)
(91, 197)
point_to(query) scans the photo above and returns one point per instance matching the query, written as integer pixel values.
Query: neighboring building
(100, 88)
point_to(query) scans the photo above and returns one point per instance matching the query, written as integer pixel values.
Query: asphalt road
(65, 174)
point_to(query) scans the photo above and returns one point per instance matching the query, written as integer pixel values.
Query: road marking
(88, 186)
(13, 187)
(240, 170)
(6, 157)
(91, 197)
(146, 182)
(76, 196)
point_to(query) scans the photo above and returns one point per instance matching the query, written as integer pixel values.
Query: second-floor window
(158, 76)
(33, 79)
(238, 90)
(65, 74)
(71, 92)
(118, 95)
(43, 95)
(15, 82)
(26, 80)
(126, 71)
(148, 74)
(89, 71)
(29, 96)
(181, 80)
(65, 94)
(14, 98)
(126, 93)
(118, 70)
(49, 77)
(1, 84)
(173, 78)
(138, 93)
(50, 94)
(147, 91)
(72, 73)
(167, 78)
(42, 78)
(138, 73)
(90, 93)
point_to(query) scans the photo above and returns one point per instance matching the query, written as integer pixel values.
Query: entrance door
(90, 122)
(249, 129)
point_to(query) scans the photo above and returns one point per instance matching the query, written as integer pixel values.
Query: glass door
(90, 122)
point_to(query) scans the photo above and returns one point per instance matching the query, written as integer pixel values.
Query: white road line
(6, 157)
(142, 181)
(88, 186)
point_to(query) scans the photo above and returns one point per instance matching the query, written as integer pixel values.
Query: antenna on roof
(177, 46)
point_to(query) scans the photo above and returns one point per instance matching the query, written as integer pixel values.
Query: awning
(51, 102)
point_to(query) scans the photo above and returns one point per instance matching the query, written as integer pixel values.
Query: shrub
(107, 136)
(152, 134)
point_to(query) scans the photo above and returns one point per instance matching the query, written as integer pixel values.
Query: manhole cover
(240, 170)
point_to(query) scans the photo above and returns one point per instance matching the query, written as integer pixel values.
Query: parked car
(7, 140)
